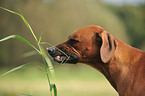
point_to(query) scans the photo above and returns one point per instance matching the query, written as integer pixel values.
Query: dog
(121, 64)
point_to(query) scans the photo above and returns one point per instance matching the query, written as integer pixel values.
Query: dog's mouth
(73, 59)
(61, 57)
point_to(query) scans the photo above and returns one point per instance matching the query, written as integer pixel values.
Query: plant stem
(48, 79)
(46, 66)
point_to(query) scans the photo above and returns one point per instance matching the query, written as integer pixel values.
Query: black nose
(51, 50)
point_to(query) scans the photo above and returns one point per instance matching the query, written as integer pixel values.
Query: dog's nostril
(51, 50)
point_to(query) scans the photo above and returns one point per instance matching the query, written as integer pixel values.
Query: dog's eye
(73, 41)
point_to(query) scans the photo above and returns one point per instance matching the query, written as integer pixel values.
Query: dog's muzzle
(62, 56)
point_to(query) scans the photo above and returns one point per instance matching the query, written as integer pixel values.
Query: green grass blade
(27, 24)
(15, 69)
(20, 38)
(47, 60)
(30, 53)
(49, 64)
(6, 38)
(40, 38)
(53, 87)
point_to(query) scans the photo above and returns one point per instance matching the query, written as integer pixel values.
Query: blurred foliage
(134, 22)
(32, 81)
(57, 19)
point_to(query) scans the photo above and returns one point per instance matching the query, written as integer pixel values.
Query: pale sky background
(123, 2)
(116, 2)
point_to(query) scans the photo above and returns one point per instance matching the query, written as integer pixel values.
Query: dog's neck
(118, 70)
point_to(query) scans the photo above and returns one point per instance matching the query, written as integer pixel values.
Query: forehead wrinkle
(73, 36)
(85, 36)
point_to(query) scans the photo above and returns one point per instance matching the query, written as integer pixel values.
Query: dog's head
(89, 44)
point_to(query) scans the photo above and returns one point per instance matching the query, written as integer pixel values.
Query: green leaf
(30, 53)
(40, 38)
(15, 69)
(53, 87)
(20, 38)
(27, 24)
(49, 64)
(6, 38)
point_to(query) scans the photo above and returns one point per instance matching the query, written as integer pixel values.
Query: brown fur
(121, 64)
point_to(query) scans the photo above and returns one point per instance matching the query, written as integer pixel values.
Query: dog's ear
(108, 46)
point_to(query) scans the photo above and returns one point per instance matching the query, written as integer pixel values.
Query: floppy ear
(108, 46)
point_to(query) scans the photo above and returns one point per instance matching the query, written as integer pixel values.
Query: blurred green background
(55, 20)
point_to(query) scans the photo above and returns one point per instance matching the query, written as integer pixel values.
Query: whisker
(58, 50)
(66, 59)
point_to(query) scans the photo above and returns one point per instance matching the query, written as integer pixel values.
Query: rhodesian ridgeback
(121, 64)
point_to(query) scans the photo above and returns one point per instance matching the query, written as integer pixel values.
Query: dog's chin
(66, 59)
